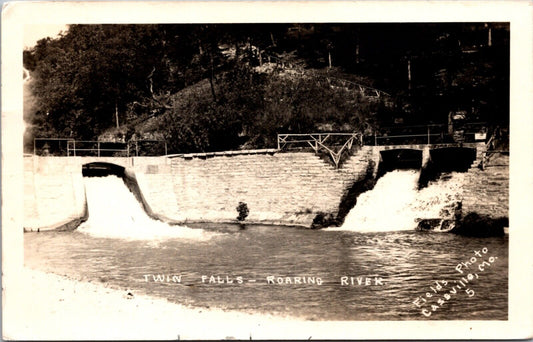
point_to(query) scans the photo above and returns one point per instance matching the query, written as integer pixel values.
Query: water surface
(408, 262)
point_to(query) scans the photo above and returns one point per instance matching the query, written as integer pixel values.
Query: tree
(82, 78)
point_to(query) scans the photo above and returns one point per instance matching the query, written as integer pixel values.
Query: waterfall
(114, 212)
(395, 203)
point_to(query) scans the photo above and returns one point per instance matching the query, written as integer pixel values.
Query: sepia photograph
(261, 177)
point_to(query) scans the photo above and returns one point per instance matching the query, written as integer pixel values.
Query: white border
(519, 13)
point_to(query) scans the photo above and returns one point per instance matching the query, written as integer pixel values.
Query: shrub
(322, 220)
(243, 211)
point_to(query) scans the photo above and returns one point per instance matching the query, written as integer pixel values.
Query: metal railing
(71, 147)
(97, 148)
(492, 147)
(422, 134)
(333, 143)
(487, 156)
(338, 143)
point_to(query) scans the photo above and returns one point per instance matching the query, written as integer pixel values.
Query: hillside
(214, 87)
(254, 104)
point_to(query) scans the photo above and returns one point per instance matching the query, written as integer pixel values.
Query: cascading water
(114, 212)
(383, 207)
(395, 203)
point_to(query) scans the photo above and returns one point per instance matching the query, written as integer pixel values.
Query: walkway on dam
(336, 145)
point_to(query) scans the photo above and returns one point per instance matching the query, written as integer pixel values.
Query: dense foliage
(252, 107)
(218, 87)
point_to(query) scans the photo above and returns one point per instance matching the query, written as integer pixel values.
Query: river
(388, 272)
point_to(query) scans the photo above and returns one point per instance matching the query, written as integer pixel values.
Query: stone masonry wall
(54, 195)
(486, 192)
(280, 188)
(156, 186)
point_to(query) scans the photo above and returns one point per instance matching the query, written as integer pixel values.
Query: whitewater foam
(114, 212)
(395, 203)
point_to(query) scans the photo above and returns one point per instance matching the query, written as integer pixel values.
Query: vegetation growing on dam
(222, 87)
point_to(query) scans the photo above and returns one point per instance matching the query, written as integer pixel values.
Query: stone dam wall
(279, 188)
(486, 192)
(54, 195)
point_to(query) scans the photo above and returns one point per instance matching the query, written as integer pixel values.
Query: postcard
(266, 170)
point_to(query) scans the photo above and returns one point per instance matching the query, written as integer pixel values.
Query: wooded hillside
(217, 87)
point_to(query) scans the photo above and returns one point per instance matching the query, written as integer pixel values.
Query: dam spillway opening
(444, 161)
(399, 159)
(450, 159)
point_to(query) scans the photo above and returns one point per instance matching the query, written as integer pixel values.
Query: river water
(369, 269)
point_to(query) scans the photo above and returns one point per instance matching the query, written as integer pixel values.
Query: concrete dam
(282, 188)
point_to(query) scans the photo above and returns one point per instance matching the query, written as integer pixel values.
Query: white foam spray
(114, 212)
(395, 204)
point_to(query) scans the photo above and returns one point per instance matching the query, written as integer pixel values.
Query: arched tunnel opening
(446, 159)
(402, 158)
(99, 169)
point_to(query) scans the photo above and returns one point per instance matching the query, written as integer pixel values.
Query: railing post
(278, 142)
(98, 148)
(74, 143)
(375, 139)
(34, 147)
(428, 136)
